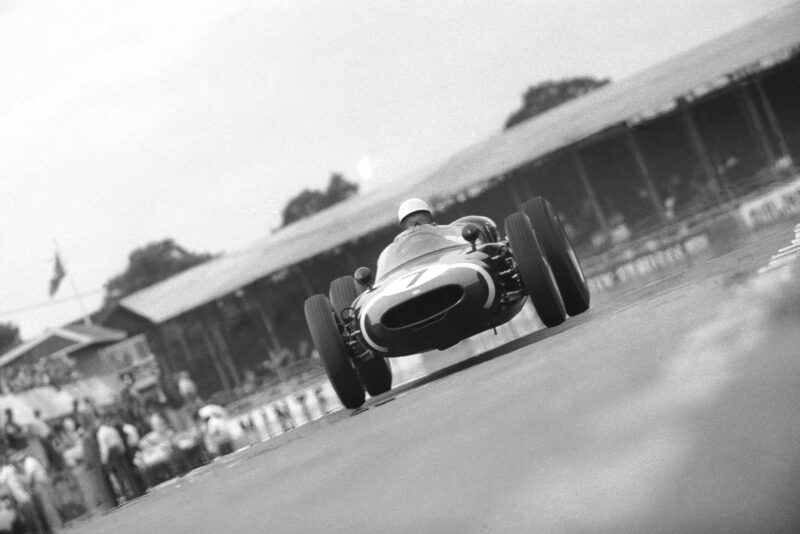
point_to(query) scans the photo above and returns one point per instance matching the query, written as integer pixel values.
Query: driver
(414, 212)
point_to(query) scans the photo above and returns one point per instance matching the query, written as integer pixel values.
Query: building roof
(80, 336)
(93, 333)
(699, 70)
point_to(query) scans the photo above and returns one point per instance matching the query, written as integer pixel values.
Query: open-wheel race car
(435, 286)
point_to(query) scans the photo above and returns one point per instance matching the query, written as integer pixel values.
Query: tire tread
(325, 334)
(532, 267)
(555, 245)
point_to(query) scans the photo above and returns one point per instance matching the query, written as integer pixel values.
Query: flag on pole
(58, 275)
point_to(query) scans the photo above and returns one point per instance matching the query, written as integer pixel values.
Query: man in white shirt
(11, 478)
(112, 454)
(109, 441)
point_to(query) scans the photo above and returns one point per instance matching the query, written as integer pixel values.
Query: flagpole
(87, 321)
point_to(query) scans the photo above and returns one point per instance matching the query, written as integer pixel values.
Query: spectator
(112, 455)
(94, 490)
(217, 435)
(249, 382)
(38, 427)
(12, 479)
(83, 413)
(322, 402)
(159, 457)
(674, 192)
(71, 443)
(193, 450)
(170, 392)
(131, 403)
(14, 433)
(284, 417)
(40, 438)
(131, 435)
(620, 231)
(69, 431)
(277, 362)
(187, 389)
(98, 490)
(11, 521)
(302, 400)
(130, 438)
(36, 478)
(89, 409)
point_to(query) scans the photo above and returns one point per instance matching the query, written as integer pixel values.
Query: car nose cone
(431, 307)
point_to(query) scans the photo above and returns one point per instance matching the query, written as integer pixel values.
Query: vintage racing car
(436, 285)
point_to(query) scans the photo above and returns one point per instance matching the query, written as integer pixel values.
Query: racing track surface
(672, 408)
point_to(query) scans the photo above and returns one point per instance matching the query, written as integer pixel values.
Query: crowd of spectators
(96, 458)
(55, 370)
(29, 463)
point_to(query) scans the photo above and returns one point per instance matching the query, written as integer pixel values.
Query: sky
(127, 122)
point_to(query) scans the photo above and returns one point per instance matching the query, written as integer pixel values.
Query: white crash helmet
(412, 205)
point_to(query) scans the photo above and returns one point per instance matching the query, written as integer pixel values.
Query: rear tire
(324, 331)
(534, 271)
(559, 253)
(376, 375)
(343, 291)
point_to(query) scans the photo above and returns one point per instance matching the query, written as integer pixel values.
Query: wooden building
(82, 344)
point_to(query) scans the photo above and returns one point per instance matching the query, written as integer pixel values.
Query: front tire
(324, 331)
(534, 271)
(376, 375)
(559, 253)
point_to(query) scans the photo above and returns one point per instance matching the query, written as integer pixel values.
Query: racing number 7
(414, 277)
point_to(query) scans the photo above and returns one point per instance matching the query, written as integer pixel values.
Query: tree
(340, 189)
(308, 201)
(551, 93)
(149, 264)
(9, 336)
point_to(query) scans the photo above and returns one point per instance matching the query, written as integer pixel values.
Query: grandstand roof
(699, 70)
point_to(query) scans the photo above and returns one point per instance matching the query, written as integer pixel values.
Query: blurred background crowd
(97, 457)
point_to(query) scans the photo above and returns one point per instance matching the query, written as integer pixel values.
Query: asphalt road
(672, 408)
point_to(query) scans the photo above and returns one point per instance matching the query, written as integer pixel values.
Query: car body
(433, 289)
